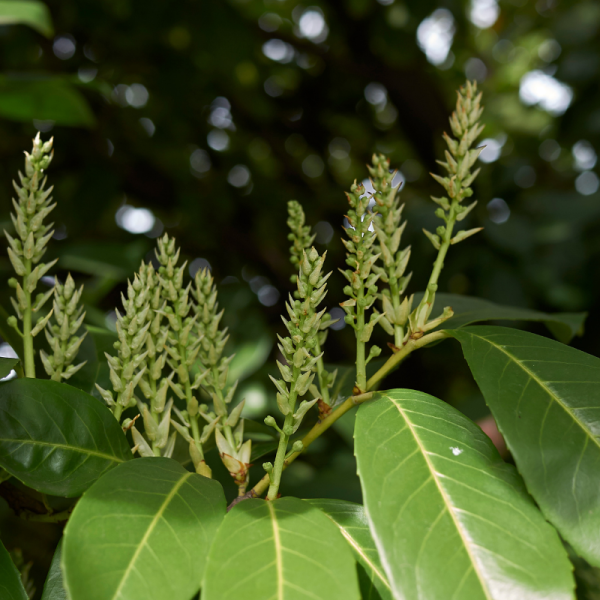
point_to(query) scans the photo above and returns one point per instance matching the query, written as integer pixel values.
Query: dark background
(212, 114)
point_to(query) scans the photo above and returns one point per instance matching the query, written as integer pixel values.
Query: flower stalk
(33, 205)
(299, 371)
(229, 426)
(362, 289)
(302, 240)
(389, 231)
(460, 159)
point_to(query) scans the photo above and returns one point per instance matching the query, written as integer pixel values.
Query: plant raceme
(443, 516)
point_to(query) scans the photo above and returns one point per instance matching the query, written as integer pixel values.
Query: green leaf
(11, 587)
(7, 365)
(449, 517)
(142, 531)
(285, 549)
(54, 588)
(545, 398)
(45, 98)
(352, 522)
(56, 438)
(564, 326)
(27, 12)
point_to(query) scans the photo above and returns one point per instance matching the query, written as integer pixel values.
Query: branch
(322, 426)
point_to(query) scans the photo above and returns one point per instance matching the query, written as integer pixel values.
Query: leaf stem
(28, 354)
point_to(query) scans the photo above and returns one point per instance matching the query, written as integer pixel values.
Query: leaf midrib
(149, 531)
(360, 551)
(65, 447)
(278, 553)
(543, 385)
(444, 495)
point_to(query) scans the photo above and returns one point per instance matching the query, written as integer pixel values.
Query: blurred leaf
(44, 98)
(449, 517)
(7, 365)
(472, 310)
(54, 588)
(249, 357)
(105, 259)
(9, 335)
(27, 12)
(55, 438)
(146, 525)
(11, 587)
(545, 398)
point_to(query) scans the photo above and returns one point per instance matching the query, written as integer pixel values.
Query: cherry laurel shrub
(114, 443)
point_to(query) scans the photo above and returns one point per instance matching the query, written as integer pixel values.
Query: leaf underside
(56, 438)
(545, 398)
(450, 519)
(142, 531)
(280, 550)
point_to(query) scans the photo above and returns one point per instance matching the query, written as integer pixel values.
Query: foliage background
(177, 108)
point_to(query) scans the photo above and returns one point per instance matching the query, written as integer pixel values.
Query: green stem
(438, 265)
(196, 434)
(28, 353)
(398, 329)
(361, 367)
(278, 466)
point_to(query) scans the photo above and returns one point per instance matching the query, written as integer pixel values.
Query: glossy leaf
(142, 531)
(27, 12)
(284, 550)
(352, 522)
(449, 517)
(11, 587)
(545, 398)
(44, 98)
(54, 588)
(7, 365)
(55, 438)
(564, 326)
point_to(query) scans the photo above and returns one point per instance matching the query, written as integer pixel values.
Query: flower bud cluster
(61, 332)
(26, 249)
(182, 347)
(460, 158)
(213, 341)
(297, 348)
(127, 368)
(302, 240)
(303, 327)
(299, 235)
(389, 231)
(229, 433)
(362, 278)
